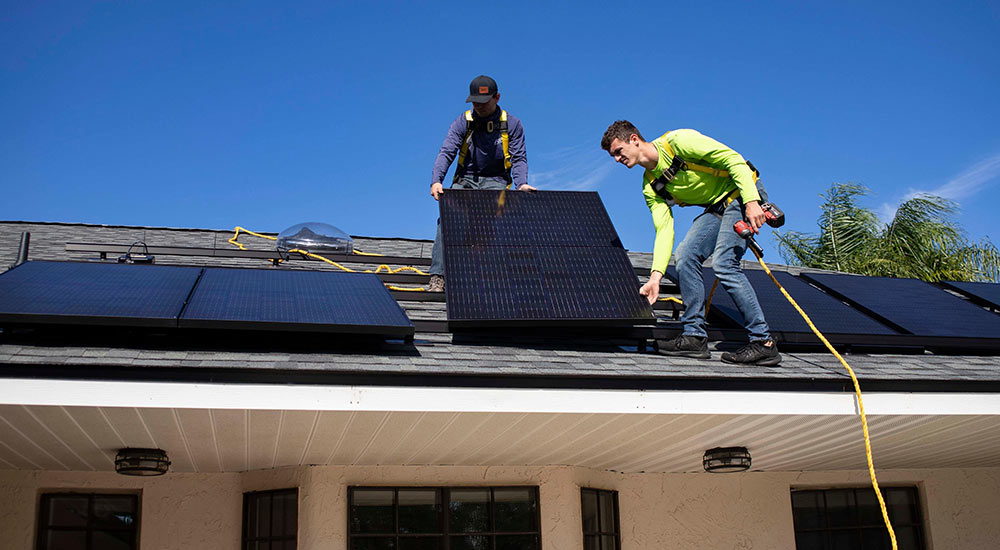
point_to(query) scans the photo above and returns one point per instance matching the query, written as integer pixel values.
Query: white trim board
(85, 393)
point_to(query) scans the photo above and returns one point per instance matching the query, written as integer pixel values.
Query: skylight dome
(316, 237)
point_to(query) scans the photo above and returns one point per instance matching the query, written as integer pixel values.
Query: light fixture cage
(141, 462)
(726, 459)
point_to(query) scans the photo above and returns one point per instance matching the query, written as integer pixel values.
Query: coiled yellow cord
(383, 268)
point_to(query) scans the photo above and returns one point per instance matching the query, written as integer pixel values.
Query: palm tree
(922, 241)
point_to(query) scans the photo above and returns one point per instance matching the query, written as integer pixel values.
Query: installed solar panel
(987, 294)
(95, 293)
(317, 301)
(831, 316)
(918, 307)
(550, 257)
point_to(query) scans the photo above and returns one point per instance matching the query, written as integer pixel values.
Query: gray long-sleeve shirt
(485, 156)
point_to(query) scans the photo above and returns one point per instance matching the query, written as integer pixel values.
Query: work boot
(684, 346)
(436, 284)
(760, 352)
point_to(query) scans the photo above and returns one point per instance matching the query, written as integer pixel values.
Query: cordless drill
(773, 216)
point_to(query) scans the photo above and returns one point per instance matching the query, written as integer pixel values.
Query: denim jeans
(465, 182)
(713, 235)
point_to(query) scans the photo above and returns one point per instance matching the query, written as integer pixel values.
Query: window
(852, 518)
(82, 521)
(270, 519)
(600, 519)
(457, 518)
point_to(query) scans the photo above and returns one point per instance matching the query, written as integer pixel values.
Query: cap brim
(478, 99)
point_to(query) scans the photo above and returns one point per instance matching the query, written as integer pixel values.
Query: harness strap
(705, 169)
(470, 126)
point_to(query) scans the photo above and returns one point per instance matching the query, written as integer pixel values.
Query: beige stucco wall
(658, 511)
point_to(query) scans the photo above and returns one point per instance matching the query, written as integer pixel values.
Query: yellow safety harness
(470, 125)
(678, 164)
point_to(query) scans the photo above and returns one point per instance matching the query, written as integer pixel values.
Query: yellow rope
(383, 268)
(857, 391)
(708, 301)
(236, 235)
(670, 299)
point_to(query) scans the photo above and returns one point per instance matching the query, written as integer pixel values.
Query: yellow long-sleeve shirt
(691, 187)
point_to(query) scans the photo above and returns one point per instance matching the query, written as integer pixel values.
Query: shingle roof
(434, 358)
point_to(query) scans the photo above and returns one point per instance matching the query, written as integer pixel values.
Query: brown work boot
(436, 284)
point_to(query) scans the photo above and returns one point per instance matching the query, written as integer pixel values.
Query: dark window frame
(444, 496)
(89, 528)
(916, 511)
(601, 534)
(249, 503)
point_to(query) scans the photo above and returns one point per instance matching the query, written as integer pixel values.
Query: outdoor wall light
(141, 462)
(726, 459)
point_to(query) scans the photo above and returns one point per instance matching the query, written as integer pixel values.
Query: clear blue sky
(266, 114)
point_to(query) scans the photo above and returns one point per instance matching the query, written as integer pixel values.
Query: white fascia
(85, 393)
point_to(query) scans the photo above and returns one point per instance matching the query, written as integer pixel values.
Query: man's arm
(518, 157)
(452, 143)
(663, 221)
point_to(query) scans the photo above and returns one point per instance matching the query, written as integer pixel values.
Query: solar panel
(95, 293)
(987, 294)
(913, 305)
(543, 258)
(830, 315)
(315, 301)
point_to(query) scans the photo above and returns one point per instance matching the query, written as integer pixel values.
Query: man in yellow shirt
(686, 168)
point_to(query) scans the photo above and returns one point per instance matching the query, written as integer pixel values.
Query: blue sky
(267, 114)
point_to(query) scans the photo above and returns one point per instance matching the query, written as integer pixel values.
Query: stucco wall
(658, 511)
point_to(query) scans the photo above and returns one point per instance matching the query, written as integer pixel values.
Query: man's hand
(437, 189)
(526, 187)
(755, 215)
(651, 290)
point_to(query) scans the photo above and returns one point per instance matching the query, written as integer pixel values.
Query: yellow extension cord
(380, 269)
(760, 259)
(850, 371)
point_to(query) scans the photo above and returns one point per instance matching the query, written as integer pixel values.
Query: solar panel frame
(906, 303)
(294, 300)
(502, 252)
(830, 315)
(94, 293)
(984, 294)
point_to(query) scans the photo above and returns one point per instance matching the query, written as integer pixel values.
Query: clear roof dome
(316, 237)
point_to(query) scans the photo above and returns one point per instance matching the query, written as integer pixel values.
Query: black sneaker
(684, 346)
(761, 352)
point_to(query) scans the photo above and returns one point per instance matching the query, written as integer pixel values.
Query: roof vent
(316, 237)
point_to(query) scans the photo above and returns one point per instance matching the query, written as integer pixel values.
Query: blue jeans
(465, 182)
(713, 235)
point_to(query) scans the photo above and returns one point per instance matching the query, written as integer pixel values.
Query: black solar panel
(550, 257)
(830, 315)
(918, 307)
(95, 293)
(318, 301)
(987, 294)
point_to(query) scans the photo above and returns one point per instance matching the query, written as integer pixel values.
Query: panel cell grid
(536, 258)
(918, 307)
(95, 293)
(512, 218)
(294, 300)
(830, 315)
